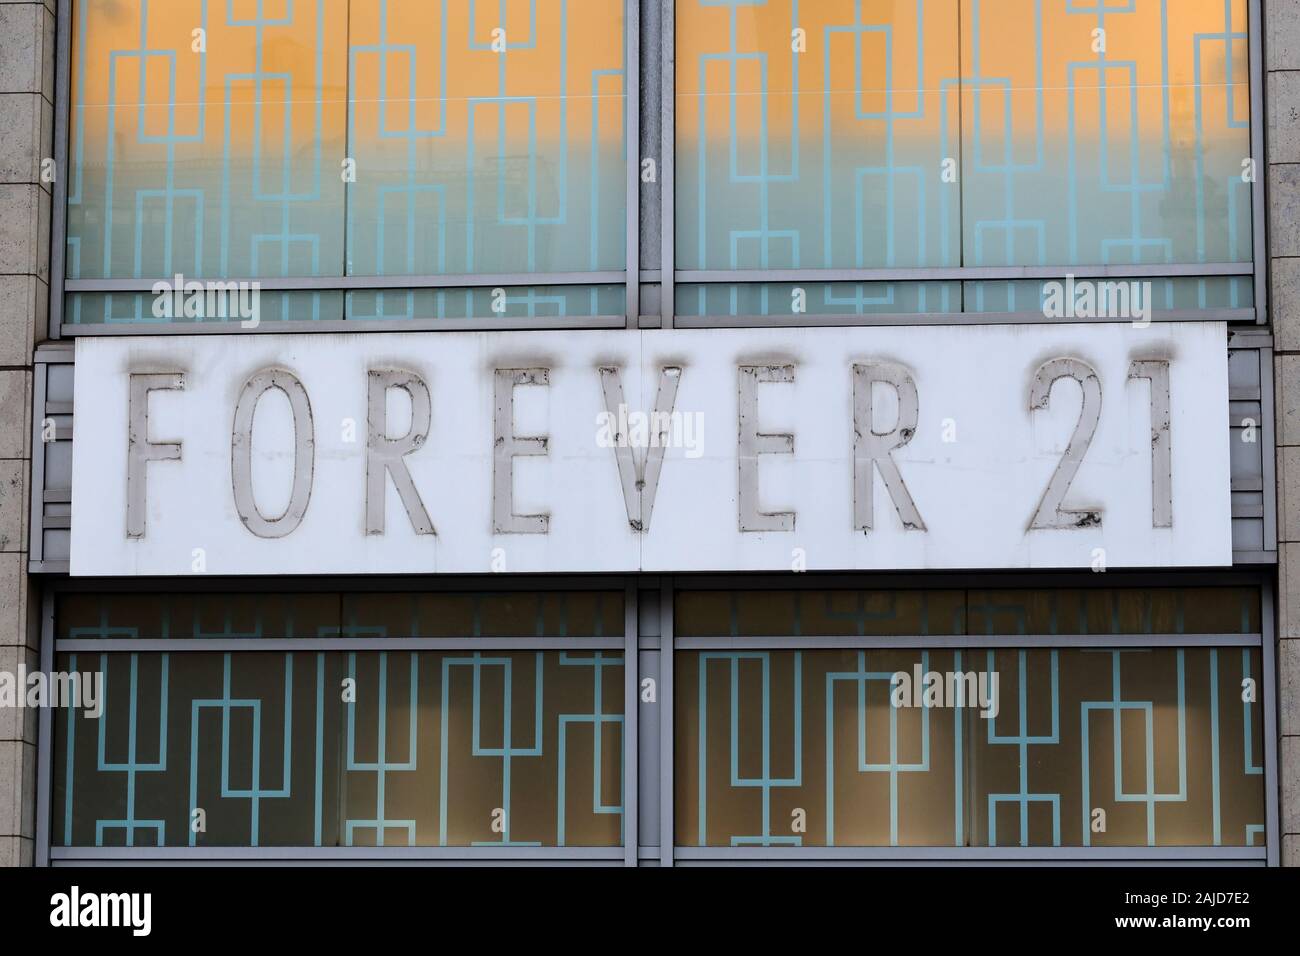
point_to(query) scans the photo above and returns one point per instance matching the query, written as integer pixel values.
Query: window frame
(650, 275)
(649, 639)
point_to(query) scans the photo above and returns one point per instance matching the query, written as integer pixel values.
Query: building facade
(649, 431)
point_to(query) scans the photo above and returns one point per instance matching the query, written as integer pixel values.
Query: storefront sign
(1063, 446)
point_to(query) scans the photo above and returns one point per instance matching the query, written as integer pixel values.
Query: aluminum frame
(1259, 193)
(61, 286)
(50, 645)
(634, 642)
(633, 277)
(667, 277)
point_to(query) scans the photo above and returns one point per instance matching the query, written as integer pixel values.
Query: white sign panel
(1061, 446)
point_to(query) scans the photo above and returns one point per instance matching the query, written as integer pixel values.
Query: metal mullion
(668, 163)
(363, 283)
(59, 210)
(631, 681)
(1008, 579)
(965, 273)
(970, 641)
(969, 854)
(1271, 690)
(36, 505)
(667, 832)
(340, 854)
(908, 319)
(1268, 462)
(311, 645)
(632, 131)
(345, 585)
(1258, 192)
(45, 740)
(363, 326)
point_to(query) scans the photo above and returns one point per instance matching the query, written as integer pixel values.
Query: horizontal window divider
(345, 854)
(967, 642)
(233, 327)
(1254, 557)
(967, 580)
(610, 584)
(534, 323)
(968, 273)
(368, 283)
(805, 320)
(314, 645)
(1136, 854)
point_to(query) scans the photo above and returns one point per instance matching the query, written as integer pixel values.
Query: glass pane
(532, 302)
(900, 134)
(1074, 747)
(1019, 611)
(330, 615)
(490, 614)
(207, 154)
(406, 137)
(819, 298)
(819, 148)
(1105, 137)
(1132, 299)
(486, 139)
(194, 616)
(238, 307)
(339, 749)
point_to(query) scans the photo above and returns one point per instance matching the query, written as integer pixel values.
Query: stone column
(1282, 92)
(26, 138)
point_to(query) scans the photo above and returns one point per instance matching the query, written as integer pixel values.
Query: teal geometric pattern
(225, 157)
(344, 749)
(1060, 153)
(1141, 734)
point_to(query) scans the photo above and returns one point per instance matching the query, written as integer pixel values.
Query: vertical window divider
(59, 199)
(667, 161)
(631, 751)
(632, 125)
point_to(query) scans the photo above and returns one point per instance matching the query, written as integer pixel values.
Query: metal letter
(871, 448)
(139, 449)
(752, 444)
(1050, 514)
(386, 455)
(640, 479)
(1162, 466)
(509, 446)
(241, 453)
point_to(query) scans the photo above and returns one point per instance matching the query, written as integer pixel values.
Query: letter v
(640, 474)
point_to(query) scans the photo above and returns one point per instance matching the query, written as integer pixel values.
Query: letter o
(241, 453)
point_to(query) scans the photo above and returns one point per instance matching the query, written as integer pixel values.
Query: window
(1077, 747)
(471, 746)
(933, 134)
(332, 139)
(969, 718)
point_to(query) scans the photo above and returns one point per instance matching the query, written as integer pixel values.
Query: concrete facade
(1282, 66)
(27, 61)
(26, 138)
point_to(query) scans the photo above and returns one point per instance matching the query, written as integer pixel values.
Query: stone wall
(26, 138)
